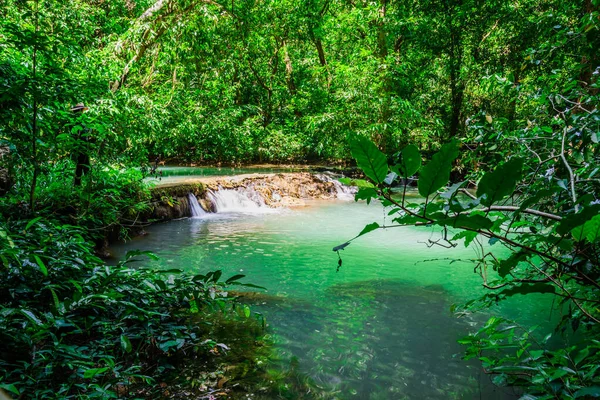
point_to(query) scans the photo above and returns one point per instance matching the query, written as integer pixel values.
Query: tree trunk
(321, 52)
(457, 87)
(289, 70)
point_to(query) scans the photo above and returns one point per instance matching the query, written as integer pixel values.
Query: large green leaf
(588, 392)
(501, 182)
(369, 228)
(469, 236)
(369, 159)
(410, 162)
(90, 373)
(361, 183)
(365, 194)
(590, 230)
(437, 172)
(574, 220)
(126, 344)
(505, 266)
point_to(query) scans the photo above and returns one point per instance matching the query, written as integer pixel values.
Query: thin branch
(571, 176)
(525, 211)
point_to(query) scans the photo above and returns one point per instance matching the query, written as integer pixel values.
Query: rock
(206, 205)
(276, 190)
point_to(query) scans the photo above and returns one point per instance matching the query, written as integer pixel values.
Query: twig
(571, 177)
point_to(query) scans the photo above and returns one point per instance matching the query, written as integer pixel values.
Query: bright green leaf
(41, 264)
(501, 182)
(410, 162)
(369, 228)
(437, 172)
(590, 230)
(369, 158)
(126, 344)
(90, 373)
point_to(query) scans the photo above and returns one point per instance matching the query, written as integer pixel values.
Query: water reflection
(380, 328)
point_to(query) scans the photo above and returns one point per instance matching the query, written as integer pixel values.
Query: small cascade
(197, 211)
(241, 200)
(343, 192)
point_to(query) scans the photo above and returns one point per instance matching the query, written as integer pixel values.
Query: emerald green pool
(380, 328)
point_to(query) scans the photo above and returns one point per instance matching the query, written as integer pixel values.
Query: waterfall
(343, 192)
(243, 200)
(197, 211)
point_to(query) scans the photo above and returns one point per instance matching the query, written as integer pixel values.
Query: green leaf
(590, 230)
(31, 316)
(366, 194)
(216, 275)
(126, 344)
(90, 373)
(361, 183)
(536, 197)
(410, 162)
(235, 278)
(248, 285)
(582, 355)
(246, 311)
(56, 301)
(369, 159)
(369, 228)
(41, 264)
(469, 236)
(33, 221)
(10, 387)
(505, 266)
(574, 220)
(496, 185)
(592, 391)
(437, 172)
(452, 190)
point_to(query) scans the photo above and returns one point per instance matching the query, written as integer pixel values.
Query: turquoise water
(379, 328)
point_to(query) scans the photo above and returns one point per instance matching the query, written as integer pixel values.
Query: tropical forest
(300, 199)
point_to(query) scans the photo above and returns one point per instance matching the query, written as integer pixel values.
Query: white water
(343, 192)
(240, 200)
(197, 211)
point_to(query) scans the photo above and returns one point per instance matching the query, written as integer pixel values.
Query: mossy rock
(180, 190)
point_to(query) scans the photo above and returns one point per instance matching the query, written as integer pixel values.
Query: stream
(379, 328)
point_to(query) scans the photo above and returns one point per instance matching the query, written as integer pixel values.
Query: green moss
(177, 190)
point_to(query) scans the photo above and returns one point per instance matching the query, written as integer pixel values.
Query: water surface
(379, 328)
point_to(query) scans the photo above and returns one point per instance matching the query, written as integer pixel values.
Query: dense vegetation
(499, 93)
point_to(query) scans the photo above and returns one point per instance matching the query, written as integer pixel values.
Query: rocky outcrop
(279, 190)
(171, 202)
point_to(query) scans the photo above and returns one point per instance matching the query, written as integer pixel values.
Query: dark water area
(380, 328)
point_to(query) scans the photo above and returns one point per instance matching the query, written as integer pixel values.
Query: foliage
(216, 82)
(550, 231)
(75, 328)
(506, 91)
(530, 148)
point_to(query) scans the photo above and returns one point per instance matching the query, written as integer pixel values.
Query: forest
(471, 125)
